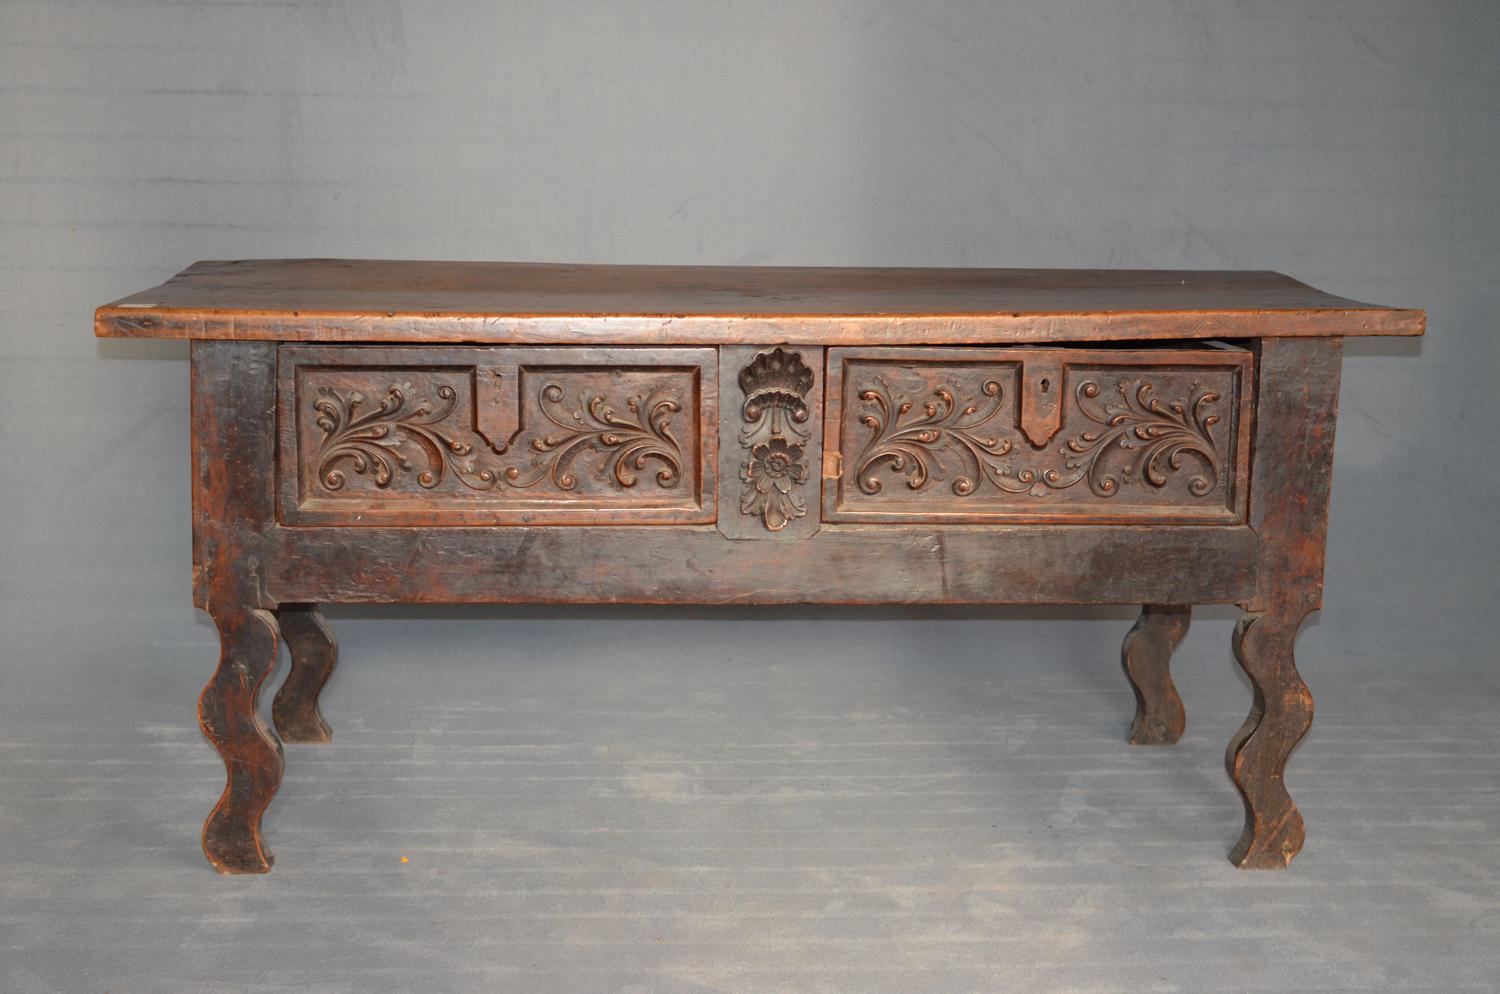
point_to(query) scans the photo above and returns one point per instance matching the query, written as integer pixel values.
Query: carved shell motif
(775, 382)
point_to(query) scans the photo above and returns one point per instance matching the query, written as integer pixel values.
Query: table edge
(968, 328)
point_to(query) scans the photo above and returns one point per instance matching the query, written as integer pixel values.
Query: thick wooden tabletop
(345, 300)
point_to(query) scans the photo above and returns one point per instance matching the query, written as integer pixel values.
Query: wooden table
(499, 432)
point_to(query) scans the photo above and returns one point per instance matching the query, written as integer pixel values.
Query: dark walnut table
(497, 432)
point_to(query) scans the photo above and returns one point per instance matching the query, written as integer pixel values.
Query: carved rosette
(775, 432)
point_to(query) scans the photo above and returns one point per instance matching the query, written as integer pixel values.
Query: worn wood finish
(1281, 713)
(1296, 415)
(1147, 657)
(841, 564)
(234, 450)
(344, 300)
(315, 653)
(234, 458)
(883, 438)
(228, 713)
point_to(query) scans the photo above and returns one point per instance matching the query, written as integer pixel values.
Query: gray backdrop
(774, 800)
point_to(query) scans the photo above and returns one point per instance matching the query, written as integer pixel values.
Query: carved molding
(775, 430)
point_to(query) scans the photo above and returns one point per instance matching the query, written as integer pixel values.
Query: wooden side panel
(1296, 416)
(234, 452)
(1047, 435)
(453, 436)
(771, 441)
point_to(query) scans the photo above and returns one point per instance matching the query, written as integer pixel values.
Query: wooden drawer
(474, 435)
(1129, 435)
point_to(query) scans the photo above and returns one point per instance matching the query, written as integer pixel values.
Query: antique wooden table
(497, 432)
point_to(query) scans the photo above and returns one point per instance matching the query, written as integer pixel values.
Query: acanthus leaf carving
(387, 442)
(914, 446)
(380, 441)
(1159, 436)
(629, 442)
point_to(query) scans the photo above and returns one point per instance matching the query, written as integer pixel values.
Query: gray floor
(817, 801)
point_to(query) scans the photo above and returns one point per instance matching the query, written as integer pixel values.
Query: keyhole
(1045, 385)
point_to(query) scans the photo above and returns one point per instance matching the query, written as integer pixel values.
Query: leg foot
(1280, 716)
(1146, 655)
(314, 655)
(251, 752)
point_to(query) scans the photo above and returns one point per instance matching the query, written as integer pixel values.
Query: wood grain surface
(340, 300)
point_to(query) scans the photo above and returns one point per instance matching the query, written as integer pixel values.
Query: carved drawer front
(1134, 435)
(474, 435)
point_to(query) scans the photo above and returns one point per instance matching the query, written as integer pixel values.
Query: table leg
(228, 714)
(314, 655)
(1280, 716)
(1147, 656)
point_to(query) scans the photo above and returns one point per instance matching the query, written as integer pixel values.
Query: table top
(346, 300)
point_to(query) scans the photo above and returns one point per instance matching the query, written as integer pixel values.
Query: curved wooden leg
(251, 752)
(1280, 716)
(314, 655)
(1147, 656)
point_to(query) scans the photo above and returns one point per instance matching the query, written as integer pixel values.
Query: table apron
(1077, 564)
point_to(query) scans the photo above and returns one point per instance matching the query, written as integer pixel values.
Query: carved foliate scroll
(401, 435)
(407, 438)
(952, 434)
(586, 436)
(1136, 439)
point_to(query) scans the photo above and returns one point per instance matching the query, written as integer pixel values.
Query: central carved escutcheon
(776, 430)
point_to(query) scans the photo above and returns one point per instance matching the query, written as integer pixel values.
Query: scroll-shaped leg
(228, 714)
(1147, 656)
(314, 655)
(1280, 716)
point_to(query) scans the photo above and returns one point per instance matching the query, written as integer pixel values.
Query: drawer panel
(1138, 435)
(473, 435)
